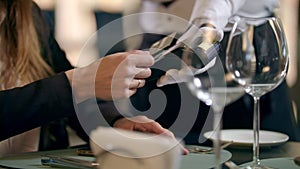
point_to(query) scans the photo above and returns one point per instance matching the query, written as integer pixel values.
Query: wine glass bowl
(257, 54)
(204, 90)
(257, 58)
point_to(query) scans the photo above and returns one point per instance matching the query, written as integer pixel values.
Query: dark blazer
(49, 99)
(27, 107)
(32, 100)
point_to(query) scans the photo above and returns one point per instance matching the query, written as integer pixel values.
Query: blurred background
(75, 21)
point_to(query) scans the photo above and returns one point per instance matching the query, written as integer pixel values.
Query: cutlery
(209, 65)
(207, 150)
(207, 51)
(85, 152)
(162, 47)
(67, 162)
(157, 50)
(162, 44)
(161, 55)
(231, 165)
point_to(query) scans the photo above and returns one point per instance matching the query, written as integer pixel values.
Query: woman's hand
(115, 76)
(144, 124)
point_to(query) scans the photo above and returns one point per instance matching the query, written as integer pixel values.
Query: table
(239, 156)
(33, 160)
(289, 149)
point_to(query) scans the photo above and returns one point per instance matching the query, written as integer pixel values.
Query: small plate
(202, 160)
(244, 137)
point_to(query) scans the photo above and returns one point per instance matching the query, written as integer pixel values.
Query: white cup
(123, 149)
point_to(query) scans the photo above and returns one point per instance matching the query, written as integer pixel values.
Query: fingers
(119, 75)
(143, 73)
(144, 124)
(131, 92)
(141, 59)
(154, 127)
(137, 83)
(212, 34)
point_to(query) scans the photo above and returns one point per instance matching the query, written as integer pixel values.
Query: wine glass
(214, 87)
(257, 58)
(204, 73)
(217, 95)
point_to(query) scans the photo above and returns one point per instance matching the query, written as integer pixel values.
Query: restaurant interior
(71, 34)
(76, 21)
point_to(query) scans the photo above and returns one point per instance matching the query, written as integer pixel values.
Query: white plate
(244, 137)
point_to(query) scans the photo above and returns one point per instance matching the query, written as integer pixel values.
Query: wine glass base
(255, 167)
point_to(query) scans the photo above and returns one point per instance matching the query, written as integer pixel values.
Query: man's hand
(206, 33)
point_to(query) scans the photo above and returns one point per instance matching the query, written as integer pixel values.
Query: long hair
(20, 54)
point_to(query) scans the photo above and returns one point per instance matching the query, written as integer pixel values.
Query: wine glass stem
(256, 128)
(216, 142)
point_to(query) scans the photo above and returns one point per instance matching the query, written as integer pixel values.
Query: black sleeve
(88, 118)
(50, 49)
(27, 107)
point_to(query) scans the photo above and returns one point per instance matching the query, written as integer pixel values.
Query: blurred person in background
(88, 17)
(157, 26)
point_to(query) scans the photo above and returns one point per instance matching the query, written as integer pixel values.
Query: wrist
(114, 122)
(201, 23)
(79, 90)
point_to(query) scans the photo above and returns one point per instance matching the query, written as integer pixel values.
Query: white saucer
(244, 137)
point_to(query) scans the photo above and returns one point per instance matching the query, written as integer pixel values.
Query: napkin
(117, 148)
